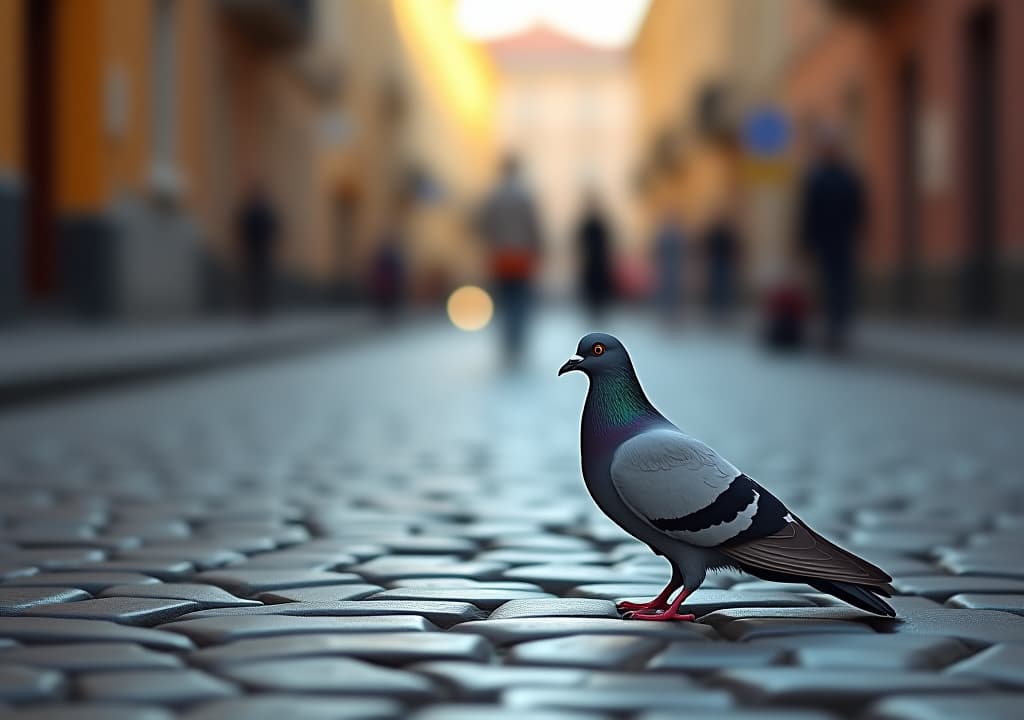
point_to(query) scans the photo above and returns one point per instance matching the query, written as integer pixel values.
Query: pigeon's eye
(598, 349)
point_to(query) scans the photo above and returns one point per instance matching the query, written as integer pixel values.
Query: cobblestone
(26, 684)
(843, 690)
(1002, 664)
(331, 676)
(201, 596)
(229, 628)
(393, 648)
(443, 614)
(16, 600)
(601, 652)
(173, 687)
(275, 707)
(124, 610)
(80, 657)
(90, 711)
(983, 706)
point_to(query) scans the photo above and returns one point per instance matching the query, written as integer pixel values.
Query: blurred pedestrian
(595, 247)
(509, 225)
(721, 247)
(257, 231)
(831, 216)
(388, 269)
(670, 241)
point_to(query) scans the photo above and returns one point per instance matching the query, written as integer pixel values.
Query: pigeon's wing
(685, 489)
(797, 550)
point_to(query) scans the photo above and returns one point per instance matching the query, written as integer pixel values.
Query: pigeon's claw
(655, 604)
(656, 616)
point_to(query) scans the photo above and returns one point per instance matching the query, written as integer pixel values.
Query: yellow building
(119, 146)
(358, 165)
(448, 140)
(681, 56)
(131, 134)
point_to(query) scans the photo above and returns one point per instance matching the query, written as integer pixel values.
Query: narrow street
(406, 483)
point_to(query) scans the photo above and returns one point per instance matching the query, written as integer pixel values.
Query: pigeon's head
(597, 353)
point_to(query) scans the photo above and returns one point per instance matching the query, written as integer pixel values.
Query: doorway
(907, 278)
(982, 159)
(38, 130)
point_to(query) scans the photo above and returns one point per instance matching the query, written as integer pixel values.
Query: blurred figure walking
(670, 241)
(388, 270)
(721, 247)
(257, 232)
(595, 247)
(831, 215)
(509, 225)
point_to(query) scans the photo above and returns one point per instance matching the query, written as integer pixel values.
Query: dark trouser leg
(838, 302)
(514, 308)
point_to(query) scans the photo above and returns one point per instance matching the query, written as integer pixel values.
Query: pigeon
(691, 505)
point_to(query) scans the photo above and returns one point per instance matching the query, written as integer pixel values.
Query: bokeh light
(470, 308)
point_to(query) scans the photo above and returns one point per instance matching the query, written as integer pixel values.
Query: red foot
(658, 603)
(669, 613)
(655, 616)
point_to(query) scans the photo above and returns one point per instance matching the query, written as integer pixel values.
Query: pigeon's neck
(617, 404)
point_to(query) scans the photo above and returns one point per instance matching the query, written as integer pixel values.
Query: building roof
(541, 43)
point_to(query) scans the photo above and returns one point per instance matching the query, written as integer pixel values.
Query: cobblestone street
(397, 528)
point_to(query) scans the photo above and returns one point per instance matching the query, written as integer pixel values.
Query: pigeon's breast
(597, 453)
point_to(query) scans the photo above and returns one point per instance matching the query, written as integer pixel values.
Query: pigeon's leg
(671, 613)
(660, 602)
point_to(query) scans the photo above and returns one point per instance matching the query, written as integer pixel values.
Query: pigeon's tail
(798, 554)
(860, 595)
(864, 597)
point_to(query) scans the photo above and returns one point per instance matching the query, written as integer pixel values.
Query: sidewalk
(54, 359)
(994, 357)
(44, 361)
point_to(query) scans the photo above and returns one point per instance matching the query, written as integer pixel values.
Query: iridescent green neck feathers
(616, 399)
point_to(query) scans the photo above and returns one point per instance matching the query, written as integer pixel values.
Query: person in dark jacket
(257, 231)
(595, 245)
(670, 245)
(388, 273)
(721, 246)
(831, 216)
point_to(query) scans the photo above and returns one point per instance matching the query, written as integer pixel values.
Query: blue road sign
(766, 132)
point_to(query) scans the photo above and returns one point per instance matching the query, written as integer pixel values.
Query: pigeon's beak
(570, 364)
